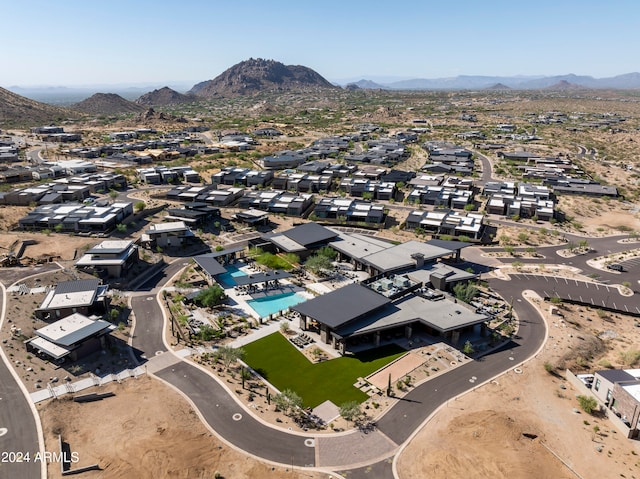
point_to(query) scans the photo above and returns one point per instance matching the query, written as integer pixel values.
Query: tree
(588, 403)
(468, 348)
(328, 251)
(121, 228)
(351, 411)
(113, 194)
(208, 332)
(211, 296)
(139, 206)
(317, 263)
(230, 355)
(287, 401)
(523, 237)
(284, 327)
(469, 207)
(465, 291)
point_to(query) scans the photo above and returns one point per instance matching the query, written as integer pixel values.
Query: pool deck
(282, 289)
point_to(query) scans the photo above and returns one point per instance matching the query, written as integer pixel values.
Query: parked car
(616, 267)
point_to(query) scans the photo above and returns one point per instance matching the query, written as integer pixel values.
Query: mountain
(461, 82)
(627, 81)
(368, 85)
(499, 86)
(107, 104)
(164, 96)
(258, 75)
(565, 85)
(18, 110)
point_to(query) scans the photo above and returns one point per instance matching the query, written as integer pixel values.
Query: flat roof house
(76, 218)
(166, 235)
(194, 213)
(115, 258)
(84, 296)
(276, 202)
(447, 222)
(72, 337)
(347, 210)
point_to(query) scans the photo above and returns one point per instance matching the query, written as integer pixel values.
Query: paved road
(400, 422)
(18, 430)
(394, 428)
(18, 427)
(397, 425)
(149, 326)
(231, 422)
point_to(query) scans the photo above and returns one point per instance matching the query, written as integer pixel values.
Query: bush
(468, 348)
(588, 403)
(630, 358)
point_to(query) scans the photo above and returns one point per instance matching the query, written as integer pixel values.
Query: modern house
(233, 176)
(302, 182)
(373, 189)
(440, 196)
(619, 390)
(447, 222)
(84, 296)
(166, 235)
(347, 210)
(302, 239)
(72, 337)
(194, 213)
(355, 314)
(114, 258)
(76, 218)
(276, 202)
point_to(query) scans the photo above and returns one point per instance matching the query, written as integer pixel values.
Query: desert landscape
(552, 168)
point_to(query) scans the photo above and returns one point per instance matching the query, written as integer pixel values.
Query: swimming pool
(272, 304)
(226, 279)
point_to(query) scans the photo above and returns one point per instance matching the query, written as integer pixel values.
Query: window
(597, 386)
(608, 395)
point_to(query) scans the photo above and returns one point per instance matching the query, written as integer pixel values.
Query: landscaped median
(280, 363)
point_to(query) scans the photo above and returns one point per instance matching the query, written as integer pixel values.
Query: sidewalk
(93, 380)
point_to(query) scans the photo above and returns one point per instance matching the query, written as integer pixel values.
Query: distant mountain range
(628, 81)
(255, 76)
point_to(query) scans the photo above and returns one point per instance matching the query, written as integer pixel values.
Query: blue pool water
(272, 304)
(226, 279)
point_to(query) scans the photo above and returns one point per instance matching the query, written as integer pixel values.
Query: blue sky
(88, 42)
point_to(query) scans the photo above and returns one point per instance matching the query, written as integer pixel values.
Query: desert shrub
(587, 403)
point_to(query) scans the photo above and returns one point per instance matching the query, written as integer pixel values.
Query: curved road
(19, 431)
(230, 420)
(18, 428)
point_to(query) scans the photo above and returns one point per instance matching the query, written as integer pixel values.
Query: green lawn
(275, 358)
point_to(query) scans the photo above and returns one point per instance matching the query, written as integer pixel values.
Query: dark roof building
(342, 306)
(305, 237)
